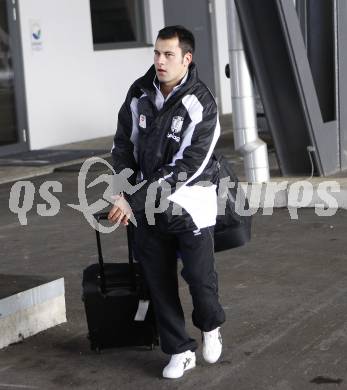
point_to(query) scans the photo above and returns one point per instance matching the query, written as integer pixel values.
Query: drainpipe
(246, 139)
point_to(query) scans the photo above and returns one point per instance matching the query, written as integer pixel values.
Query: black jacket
(160, 144)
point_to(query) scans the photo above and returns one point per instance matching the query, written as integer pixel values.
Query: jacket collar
(146, 82)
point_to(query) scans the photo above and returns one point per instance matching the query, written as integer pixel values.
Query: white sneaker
(212, 345)
(179, 363)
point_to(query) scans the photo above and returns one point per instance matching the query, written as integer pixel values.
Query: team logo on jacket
(174, 137)
(142, 121)
(177, 123)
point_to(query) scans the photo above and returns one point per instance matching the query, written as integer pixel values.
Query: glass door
(12, 108)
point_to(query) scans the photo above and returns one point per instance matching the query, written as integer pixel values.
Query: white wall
(73, 92)
(223, 54)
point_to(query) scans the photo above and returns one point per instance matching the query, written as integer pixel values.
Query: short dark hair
(185, 37)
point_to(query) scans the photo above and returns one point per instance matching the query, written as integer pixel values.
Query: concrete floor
(284, 295)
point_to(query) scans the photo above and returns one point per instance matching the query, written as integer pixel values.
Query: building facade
(65, 66)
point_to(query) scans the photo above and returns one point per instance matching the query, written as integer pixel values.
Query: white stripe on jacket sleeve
(135, 126)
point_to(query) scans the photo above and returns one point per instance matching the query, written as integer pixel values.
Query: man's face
(170, 64)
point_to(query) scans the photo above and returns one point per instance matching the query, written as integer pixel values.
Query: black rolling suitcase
(118, 310)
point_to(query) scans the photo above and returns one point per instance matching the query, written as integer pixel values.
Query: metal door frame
(19, 87)
(324, 135)
(278, 54)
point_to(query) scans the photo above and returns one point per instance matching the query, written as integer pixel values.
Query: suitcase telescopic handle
(104, 215)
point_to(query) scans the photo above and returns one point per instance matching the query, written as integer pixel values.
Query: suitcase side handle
(104, 215)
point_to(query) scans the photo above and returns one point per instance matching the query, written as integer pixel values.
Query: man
(167, 130)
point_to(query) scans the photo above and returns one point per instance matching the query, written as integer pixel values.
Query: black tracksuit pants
(157, 253)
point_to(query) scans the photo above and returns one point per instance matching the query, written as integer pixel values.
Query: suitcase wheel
(95, 348)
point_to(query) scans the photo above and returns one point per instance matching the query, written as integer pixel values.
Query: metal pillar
(246, 139)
